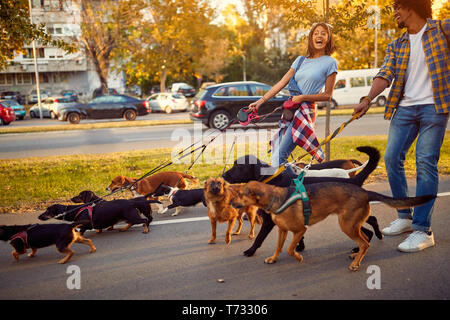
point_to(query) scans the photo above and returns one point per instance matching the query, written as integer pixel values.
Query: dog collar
(171, 193)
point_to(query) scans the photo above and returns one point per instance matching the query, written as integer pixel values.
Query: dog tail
(80, 223)
(152, 201)
(400, 203)
(362, 166)
(374, 157)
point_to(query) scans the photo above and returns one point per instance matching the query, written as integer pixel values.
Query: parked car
(34, 111)
(351, 85)
(32, 97)
(183, 88)
(13, 95)
(106, 107)
(218, 104)
(70, 94)
(54, 104)
(168, 102)
(7, 114)
(19, 109)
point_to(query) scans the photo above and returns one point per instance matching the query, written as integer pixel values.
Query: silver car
(54, 104)
(168, 102)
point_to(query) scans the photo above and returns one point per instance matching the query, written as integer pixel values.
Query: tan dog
(348, 201)
(218, 197)
(150, 184)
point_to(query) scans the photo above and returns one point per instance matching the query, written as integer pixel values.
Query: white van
(351, 85)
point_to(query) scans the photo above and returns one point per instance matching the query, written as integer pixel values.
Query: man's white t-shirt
(418, 88)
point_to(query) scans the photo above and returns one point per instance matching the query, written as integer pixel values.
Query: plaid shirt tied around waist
(435, 45)
(303, 133)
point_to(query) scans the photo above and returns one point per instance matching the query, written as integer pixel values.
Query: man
(417, 64)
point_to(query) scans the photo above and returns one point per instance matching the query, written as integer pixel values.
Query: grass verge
(31, 184)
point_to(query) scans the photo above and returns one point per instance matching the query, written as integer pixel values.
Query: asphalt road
(139, 138)
(174, 261)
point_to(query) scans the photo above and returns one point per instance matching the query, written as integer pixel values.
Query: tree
(105, 24)
(17, 31)
(444, 12)
(169, 42)
(215, 57)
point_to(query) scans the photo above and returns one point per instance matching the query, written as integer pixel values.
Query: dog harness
(296, 193)
(22, 235)
(90, 209)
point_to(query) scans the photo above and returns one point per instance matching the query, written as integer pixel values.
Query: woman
(306, 77)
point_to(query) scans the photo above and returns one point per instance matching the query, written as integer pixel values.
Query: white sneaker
(416, 241)
(397, 226)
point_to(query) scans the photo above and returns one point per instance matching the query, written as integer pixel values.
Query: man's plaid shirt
(437, 57)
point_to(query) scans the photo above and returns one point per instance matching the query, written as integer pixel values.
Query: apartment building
(57, 70)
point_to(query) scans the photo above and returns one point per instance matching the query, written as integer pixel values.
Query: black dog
(37, 236)
(103, 214)
(140, 203)
(180, 198)
(250, 168)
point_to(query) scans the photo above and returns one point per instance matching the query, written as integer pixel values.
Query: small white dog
(334, 172)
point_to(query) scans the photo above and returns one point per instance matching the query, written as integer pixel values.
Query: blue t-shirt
(313, 73)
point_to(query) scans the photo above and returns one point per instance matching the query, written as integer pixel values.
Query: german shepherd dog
(348, 201)
(218, 197)
(250, 168)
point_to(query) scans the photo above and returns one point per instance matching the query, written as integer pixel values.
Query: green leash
(299, 193)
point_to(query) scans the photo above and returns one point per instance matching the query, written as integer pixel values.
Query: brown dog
(218, 196)
(348, 201)
(150, 184)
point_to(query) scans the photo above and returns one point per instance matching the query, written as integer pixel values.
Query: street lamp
(36, 72)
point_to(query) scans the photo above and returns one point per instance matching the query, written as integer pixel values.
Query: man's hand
(361, 108)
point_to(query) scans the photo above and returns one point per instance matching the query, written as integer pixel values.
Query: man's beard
(401, 25)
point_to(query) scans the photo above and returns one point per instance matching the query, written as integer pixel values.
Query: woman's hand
(297, 99)
(253, 107)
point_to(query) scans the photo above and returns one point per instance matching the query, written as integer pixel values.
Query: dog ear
(258, 193)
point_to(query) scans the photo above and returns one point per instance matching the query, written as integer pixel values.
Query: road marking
(179, 220)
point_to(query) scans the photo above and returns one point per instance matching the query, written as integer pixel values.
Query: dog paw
(174, 214)
(212, 241)
(92, 250)
(228, 240)
(270, 260)
(353, 267)
(162, 211)
(249, 252)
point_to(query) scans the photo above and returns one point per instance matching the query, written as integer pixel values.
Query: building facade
(57, 70)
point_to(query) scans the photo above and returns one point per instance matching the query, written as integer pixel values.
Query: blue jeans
(283, 148)
(423, 122)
